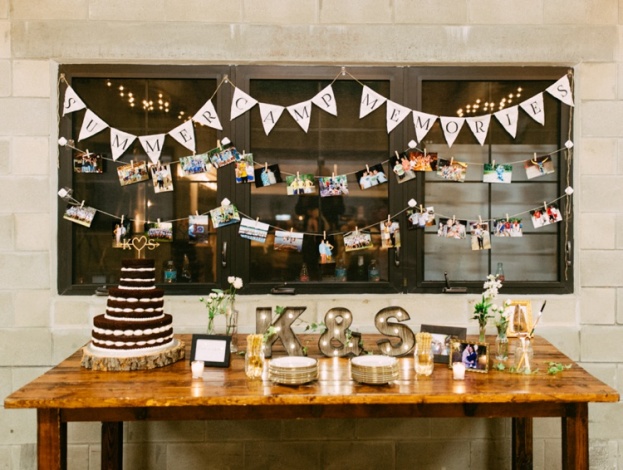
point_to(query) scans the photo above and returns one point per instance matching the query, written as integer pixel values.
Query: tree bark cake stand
(105, 361)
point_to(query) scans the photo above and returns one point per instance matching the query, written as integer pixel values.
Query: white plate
(373, 361)
(293, 362)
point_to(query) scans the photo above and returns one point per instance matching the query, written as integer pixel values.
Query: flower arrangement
(219, 299)
(483, 309)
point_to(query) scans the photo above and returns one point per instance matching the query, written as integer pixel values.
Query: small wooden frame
(476, 360)
(213, 350)
(519, 317)
(443, 335)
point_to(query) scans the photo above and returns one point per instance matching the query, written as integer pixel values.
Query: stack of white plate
(374, 369)
(293, 370)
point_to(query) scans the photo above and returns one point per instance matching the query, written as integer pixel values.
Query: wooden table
(69, 392)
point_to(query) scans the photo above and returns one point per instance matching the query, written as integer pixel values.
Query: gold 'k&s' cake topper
(139, 244)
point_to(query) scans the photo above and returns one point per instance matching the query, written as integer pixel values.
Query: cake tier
(137, 274)
(135, 298)
(110, 333)
(137, 263)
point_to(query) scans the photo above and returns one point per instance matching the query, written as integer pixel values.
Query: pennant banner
(479, 126)
(534, 108)
(508, 118)
(119, 142)
(395, 114)
(325, 100)
(207, 116)
(270, 114)
(91, 125)
(422, 123)
(562, 90)
(301, 113)
(72, 101)
(241, 103)
(451, 128)
(370, 101)
(152, 144)
(185, 135)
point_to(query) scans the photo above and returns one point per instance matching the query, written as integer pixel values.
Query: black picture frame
(450, 332)
(213, 350)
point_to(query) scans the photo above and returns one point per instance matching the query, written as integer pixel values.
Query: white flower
(237, 283)
(231, 279)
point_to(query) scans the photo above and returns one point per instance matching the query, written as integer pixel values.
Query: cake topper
(139, 244)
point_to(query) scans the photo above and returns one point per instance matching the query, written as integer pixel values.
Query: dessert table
(69, 392)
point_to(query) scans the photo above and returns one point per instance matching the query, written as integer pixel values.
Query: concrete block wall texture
(38, 328)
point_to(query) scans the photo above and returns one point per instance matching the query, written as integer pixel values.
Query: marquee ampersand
(335, 341)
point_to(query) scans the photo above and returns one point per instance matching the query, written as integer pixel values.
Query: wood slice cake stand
(113, 361)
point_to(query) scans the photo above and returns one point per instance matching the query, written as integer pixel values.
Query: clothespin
(480, 220)
(451, 161)
(218, 144)
(225, 78)
(334, 170)
(196, 212)
(507, 216)
(81, 204)
(534, 160)
(367, 168)
(298, 177)
(453, 220)
(397, 154)
(343, 71)
(421, 209)
(324, 234)
(265, 166)
(291, 229)
(389, 219)
(545, 205)
(244, 153)
(158, 220)
(257, 221)
(424, 151)
(132, 162)
(122, 219)
(356, 230)
(493, 163)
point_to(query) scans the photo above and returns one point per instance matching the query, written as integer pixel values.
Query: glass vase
(231, 326)
(524, 355)
(482, 333)
(501, 345)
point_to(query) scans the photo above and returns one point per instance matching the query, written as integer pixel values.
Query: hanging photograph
(300, 184)
(333, 185)
(481, 239)
(508, 227)
(401, 167)
(224, 215)
(199, 229)
(161, 177)
(253, 230)
(357, 241)
(134, 172)
(420, 218)
(422, 161)
(222, 156)
(268, 175)
(390, 234)
(86, 162)
(497, 173)
(452, 228)
(325, 250)
(288, 241)
(195, 164)
(82, 215)
(121, 231)
(545, 215)
(159, 231)
(452, 170)
(539, 166)
(371, 176)
(244, 168)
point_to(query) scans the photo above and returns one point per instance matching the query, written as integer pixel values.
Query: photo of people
(452, 228)
(333, 185)
(195, 164)
(222, 156)
(288, 241)
(481, 239)
(198, 229)
(244, 168)
(371, 176)
(357, 241)
(422, 161)
(253, 230)
(497, 173)
(546, 215)
(121, 231)
(300, 184)
(325, 250)
(224, 215)
(390, 234)
(420, 218)
(508, 227)
(161, 177)
(134, 172)
(474, 356)
(401, 167)
(86, 162)
(268, 175)
(160, 231)
(82, 215)
(452, 170)
(539, 166)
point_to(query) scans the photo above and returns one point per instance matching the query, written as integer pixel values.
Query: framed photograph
(519, 317)
(443, 336)
(473, 354)
(213, 350)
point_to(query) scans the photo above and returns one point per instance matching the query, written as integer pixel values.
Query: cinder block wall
(38, 328)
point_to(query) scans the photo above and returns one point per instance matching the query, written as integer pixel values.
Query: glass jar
(524, 355)
(501, 346)
(231, 326)
(424, 358)
(254, 357)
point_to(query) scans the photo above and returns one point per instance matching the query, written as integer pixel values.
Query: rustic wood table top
(70, 386)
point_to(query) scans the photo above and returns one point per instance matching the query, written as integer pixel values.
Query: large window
(145, 101)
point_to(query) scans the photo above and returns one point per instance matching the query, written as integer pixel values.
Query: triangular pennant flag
(534, 108)
(152, 144)
(370, 101)
(508, 118)
(241, 103)
(451, 128)
(72, 101)
(395, 114)
(301, 112)
(562, 90)
(185, 134)
(422, 123)
(479, 126)
(207, 116)
(270, 115)
(91, 125)
(325, 100)
(119, 142)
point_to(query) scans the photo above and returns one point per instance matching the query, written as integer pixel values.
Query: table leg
(522, 444)
(51, 440)
(575, 438)
(112, 446)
